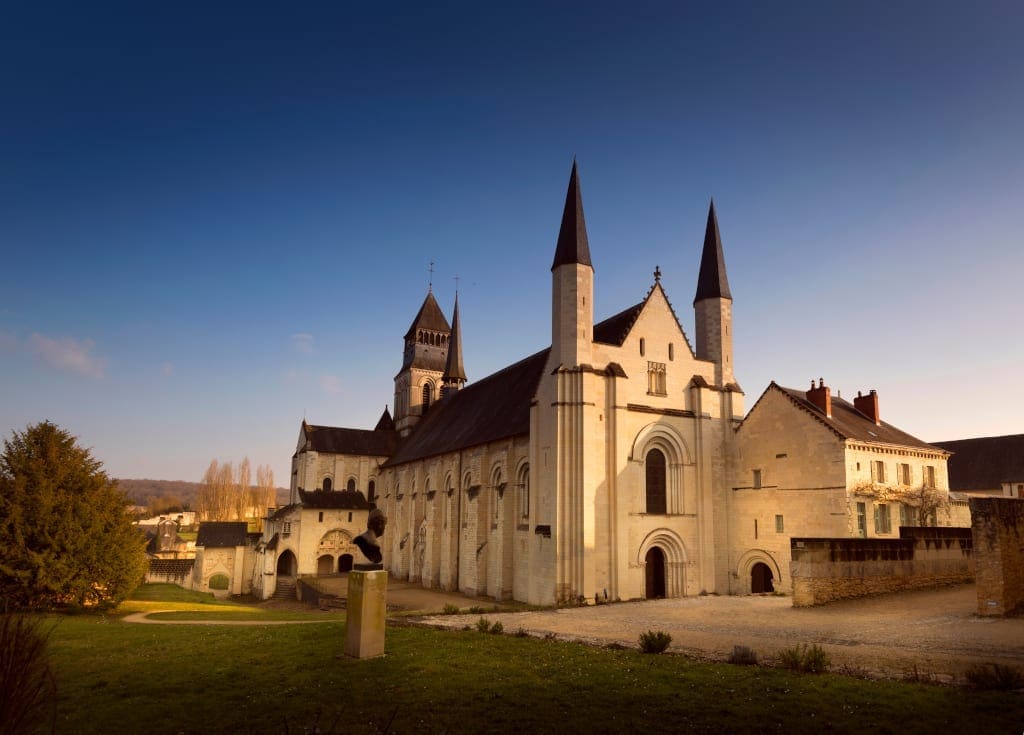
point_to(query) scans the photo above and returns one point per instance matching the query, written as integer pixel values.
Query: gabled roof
(712, 281)
(429, 317)
(572, 246)
(494, 408)
(846, 421)
(615, 329)
(219, 534)
(344, 499)
(985, 463)
(360, 442)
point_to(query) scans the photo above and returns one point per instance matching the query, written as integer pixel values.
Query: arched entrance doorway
(654, 567)
(325, 564)
(345, 563)
(761, 578)
(286, 564)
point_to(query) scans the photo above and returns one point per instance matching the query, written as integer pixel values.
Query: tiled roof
(490, 409)
(219, 534)
(361, 442)
(172, 567)
(985, 463)
(343, 499)
(849, 423)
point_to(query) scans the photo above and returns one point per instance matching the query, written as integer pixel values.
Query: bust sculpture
(367, 540)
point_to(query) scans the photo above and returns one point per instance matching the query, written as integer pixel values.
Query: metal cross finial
(657, 274)
(456, 277)
(430, 285)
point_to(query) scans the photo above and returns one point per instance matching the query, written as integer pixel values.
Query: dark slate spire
(572, 237)
(428, 317)
(712, 283)
(454, 373)
(386, 423)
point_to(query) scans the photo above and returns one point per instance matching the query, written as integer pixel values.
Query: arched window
(351, 486)
(328, 486)
(371, 490)
(427, 393)
(655, 488)
(524, 492)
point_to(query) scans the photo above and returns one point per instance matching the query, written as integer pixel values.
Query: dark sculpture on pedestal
(367, 541)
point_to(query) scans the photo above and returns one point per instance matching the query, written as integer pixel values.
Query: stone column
(367, 608)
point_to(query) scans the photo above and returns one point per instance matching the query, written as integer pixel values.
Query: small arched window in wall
(327, 484)
(643, 347)
(428, 391)
(351, 486)
(671, 351)
(371, 490)
(655, 485)
(524, 492)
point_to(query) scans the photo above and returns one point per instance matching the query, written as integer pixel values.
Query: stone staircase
(285, 590)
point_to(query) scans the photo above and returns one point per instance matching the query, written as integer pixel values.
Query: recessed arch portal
(668, 562)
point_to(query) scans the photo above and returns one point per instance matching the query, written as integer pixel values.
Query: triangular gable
(615, 329)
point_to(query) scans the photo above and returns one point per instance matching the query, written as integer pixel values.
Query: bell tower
(713, 306)
(418, 383)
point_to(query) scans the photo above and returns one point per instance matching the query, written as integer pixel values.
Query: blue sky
(217, 220)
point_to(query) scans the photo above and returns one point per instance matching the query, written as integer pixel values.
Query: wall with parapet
(825, 570)
(998, 526)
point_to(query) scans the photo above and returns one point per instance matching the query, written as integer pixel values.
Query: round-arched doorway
(345, 563)
(654, 568)
(761, 578)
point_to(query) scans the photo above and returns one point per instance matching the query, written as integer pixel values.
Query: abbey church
(615, 464)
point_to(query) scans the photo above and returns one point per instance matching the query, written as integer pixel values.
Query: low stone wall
(170, 571)
(824, 570)
(998, 525)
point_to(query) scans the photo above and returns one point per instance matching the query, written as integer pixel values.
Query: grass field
(127, 678)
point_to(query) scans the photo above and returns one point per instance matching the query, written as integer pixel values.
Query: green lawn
(128, 678)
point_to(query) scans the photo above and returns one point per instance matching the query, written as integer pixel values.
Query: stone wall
(998, 526)
(824, 570)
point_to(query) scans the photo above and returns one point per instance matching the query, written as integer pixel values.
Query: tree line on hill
(161, 497)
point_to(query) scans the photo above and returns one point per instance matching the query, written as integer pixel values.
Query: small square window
(780, 525)
(757, 479)
(321, 516)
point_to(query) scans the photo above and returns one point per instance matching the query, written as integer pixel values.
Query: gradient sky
(217, 221)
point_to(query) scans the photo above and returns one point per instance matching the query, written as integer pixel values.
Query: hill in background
(164, 494)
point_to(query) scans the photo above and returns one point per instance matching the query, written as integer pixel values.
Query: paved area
(406, 597)
(935, 631)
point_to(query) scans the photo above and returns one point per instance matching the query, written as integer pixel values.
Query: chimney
(821, 397)
(868, 405)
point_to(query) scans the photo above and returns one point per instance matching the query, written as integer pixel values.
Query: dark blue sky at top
(191, 186)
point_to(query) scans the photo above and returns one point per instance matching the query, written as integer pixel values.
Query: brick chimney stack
(821, 397)
(868, 405)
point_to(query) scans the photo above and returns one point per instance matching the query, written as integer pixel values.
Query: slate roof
(985, 463)
(429, 317)
(340, 499)
(362, 442)
(573, 246)
(453, 369)
(493, 408)
(712, 281)
(615, 329)
(219, 534)
(849, 423)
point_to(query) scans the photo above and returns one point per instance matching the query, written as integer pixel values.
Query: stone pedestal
(367, 608)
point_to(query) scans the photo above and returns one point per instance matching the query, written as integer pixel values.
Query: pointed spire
(572, 244)
(712, 282)
(454, 372)
(386, 423)
(428, 317)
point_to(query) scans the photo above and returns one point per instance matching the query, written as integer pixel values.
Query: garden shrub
(998, 677)
(743, 655)
(654, 641)
(810, 659)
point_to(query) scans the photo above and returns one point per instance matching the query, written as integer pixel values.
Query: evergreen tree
(65, 535)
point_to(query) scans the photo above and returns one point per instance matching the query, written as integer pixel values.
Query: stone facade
(614, 464)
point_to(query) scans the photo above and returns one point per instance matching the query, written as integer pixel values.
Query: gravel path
(934, 632)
